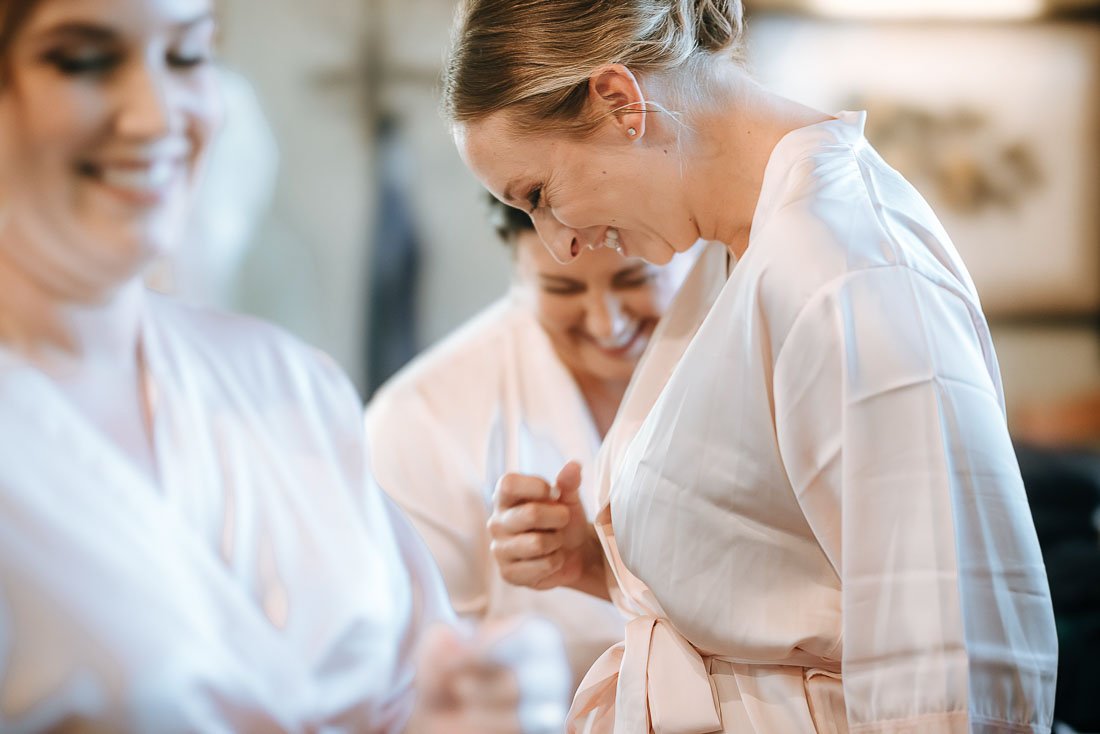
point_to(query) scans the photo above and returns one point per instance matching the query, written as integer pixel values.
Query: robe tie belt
(662, 684)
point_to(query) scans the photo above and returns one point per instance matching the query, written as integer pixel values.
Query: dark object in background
(395, 265)
(1063, 488)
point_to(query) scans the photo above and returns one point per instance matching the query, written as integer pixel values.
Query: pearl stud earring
(631, 132)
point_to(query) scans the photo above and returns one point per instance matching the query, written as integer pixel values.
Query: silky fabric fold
(811, 481)
(260, 582)
(491, 398)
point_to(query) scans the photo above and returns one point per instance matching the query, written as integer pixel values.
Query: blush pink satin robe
(810, 504)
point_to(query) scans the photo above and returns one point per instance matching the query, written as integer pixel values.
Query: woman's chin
(613, 367)
(654, 252)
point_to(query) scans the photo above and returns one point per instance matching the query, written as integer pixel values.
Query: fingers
(487, 686)
(533, 572)
(568, 484)
(439, 652)
(526, 546)
(531, 527)
(462, 690)
(527, 518)
(516, 489)
(478, 698)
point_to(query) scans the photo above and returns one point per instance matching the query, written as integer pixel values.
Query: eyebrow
(95, 32)
(629, 271)
(508, 191)
(85, 31)
(559, 279)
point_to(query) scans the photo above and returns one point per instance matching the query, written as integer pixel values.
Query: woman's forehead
(120, 13)
(502, 157)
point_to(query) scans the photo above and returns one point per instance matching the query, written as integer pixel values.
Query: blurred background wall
(365, 171)
(992, 112)
(359, 228)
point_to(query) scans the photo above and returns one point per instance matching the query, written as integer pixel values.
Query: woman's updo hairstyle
(534, 57)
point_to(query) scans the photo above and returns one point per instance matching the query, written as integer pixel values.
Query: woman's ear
(613, 91)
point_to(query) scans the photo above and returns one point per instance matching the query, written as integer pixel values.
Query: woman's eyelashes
(196, 48)
(636, 281)
(633, 278)
(189, 61)
(534, 197)
(96, 63)
(560, 287)
(83, 62)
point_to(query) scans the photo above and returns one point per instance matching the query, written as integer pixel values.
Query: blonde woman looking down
(809, 505)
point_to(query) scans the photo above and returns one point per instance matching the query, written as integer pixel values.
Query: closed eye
(635, 282)
(85, 61)
(534, 197)
(634, 277)
(181, 61)
(559, 286)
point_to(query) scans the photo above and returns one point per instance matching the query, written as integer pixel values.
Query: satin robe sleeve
(418, 465)
(891, 426)
(429, 606)
(416, 598)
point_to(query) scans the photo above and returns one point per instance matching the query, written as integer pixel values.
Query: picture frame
(997, 124)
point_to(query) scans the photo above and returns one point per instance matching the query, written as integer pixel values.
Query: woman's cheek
(645, 302)
(555, 313)
(199, 97)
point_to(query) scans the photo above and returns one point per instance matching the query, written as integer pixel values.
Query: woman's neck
(89, 349)
(603, 398)
(732, 142)
(65, 337)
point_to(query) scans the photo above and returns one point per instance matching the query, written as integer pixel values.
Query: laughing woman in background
(190, 539)
(532, 382)
(810, 506)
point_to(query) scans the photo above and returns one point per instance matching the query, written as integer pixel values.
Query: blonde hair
(534, 57)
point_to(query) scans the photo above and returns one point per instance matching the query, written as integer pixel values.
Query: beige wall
(1047, 363)
(307, 265)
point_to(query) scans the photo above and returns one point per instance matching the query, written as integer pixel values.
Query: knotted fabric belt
(654, 681)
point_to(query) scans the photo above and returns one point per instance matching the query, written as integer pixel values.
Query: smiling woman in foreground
(190, 537)
(809, 504)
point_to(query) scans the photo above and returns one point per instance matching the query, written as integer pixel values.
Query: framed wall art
(996, 123)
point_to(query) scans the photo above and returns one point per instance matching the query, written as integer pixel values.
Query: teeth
(151, 178)
(611, 239)
(621, 340)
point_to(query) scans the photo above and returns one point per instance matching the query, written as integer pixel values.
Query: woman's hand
(541, 537)
(510, 678)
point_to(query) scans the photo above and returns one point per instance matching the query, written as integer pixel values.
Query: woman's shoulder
(253, 358)
(844, 215)
(466, 366)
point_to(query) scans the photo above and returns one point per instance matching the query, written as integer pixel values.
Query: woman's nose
(145, 104)
(562, 242)
(604, 316)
